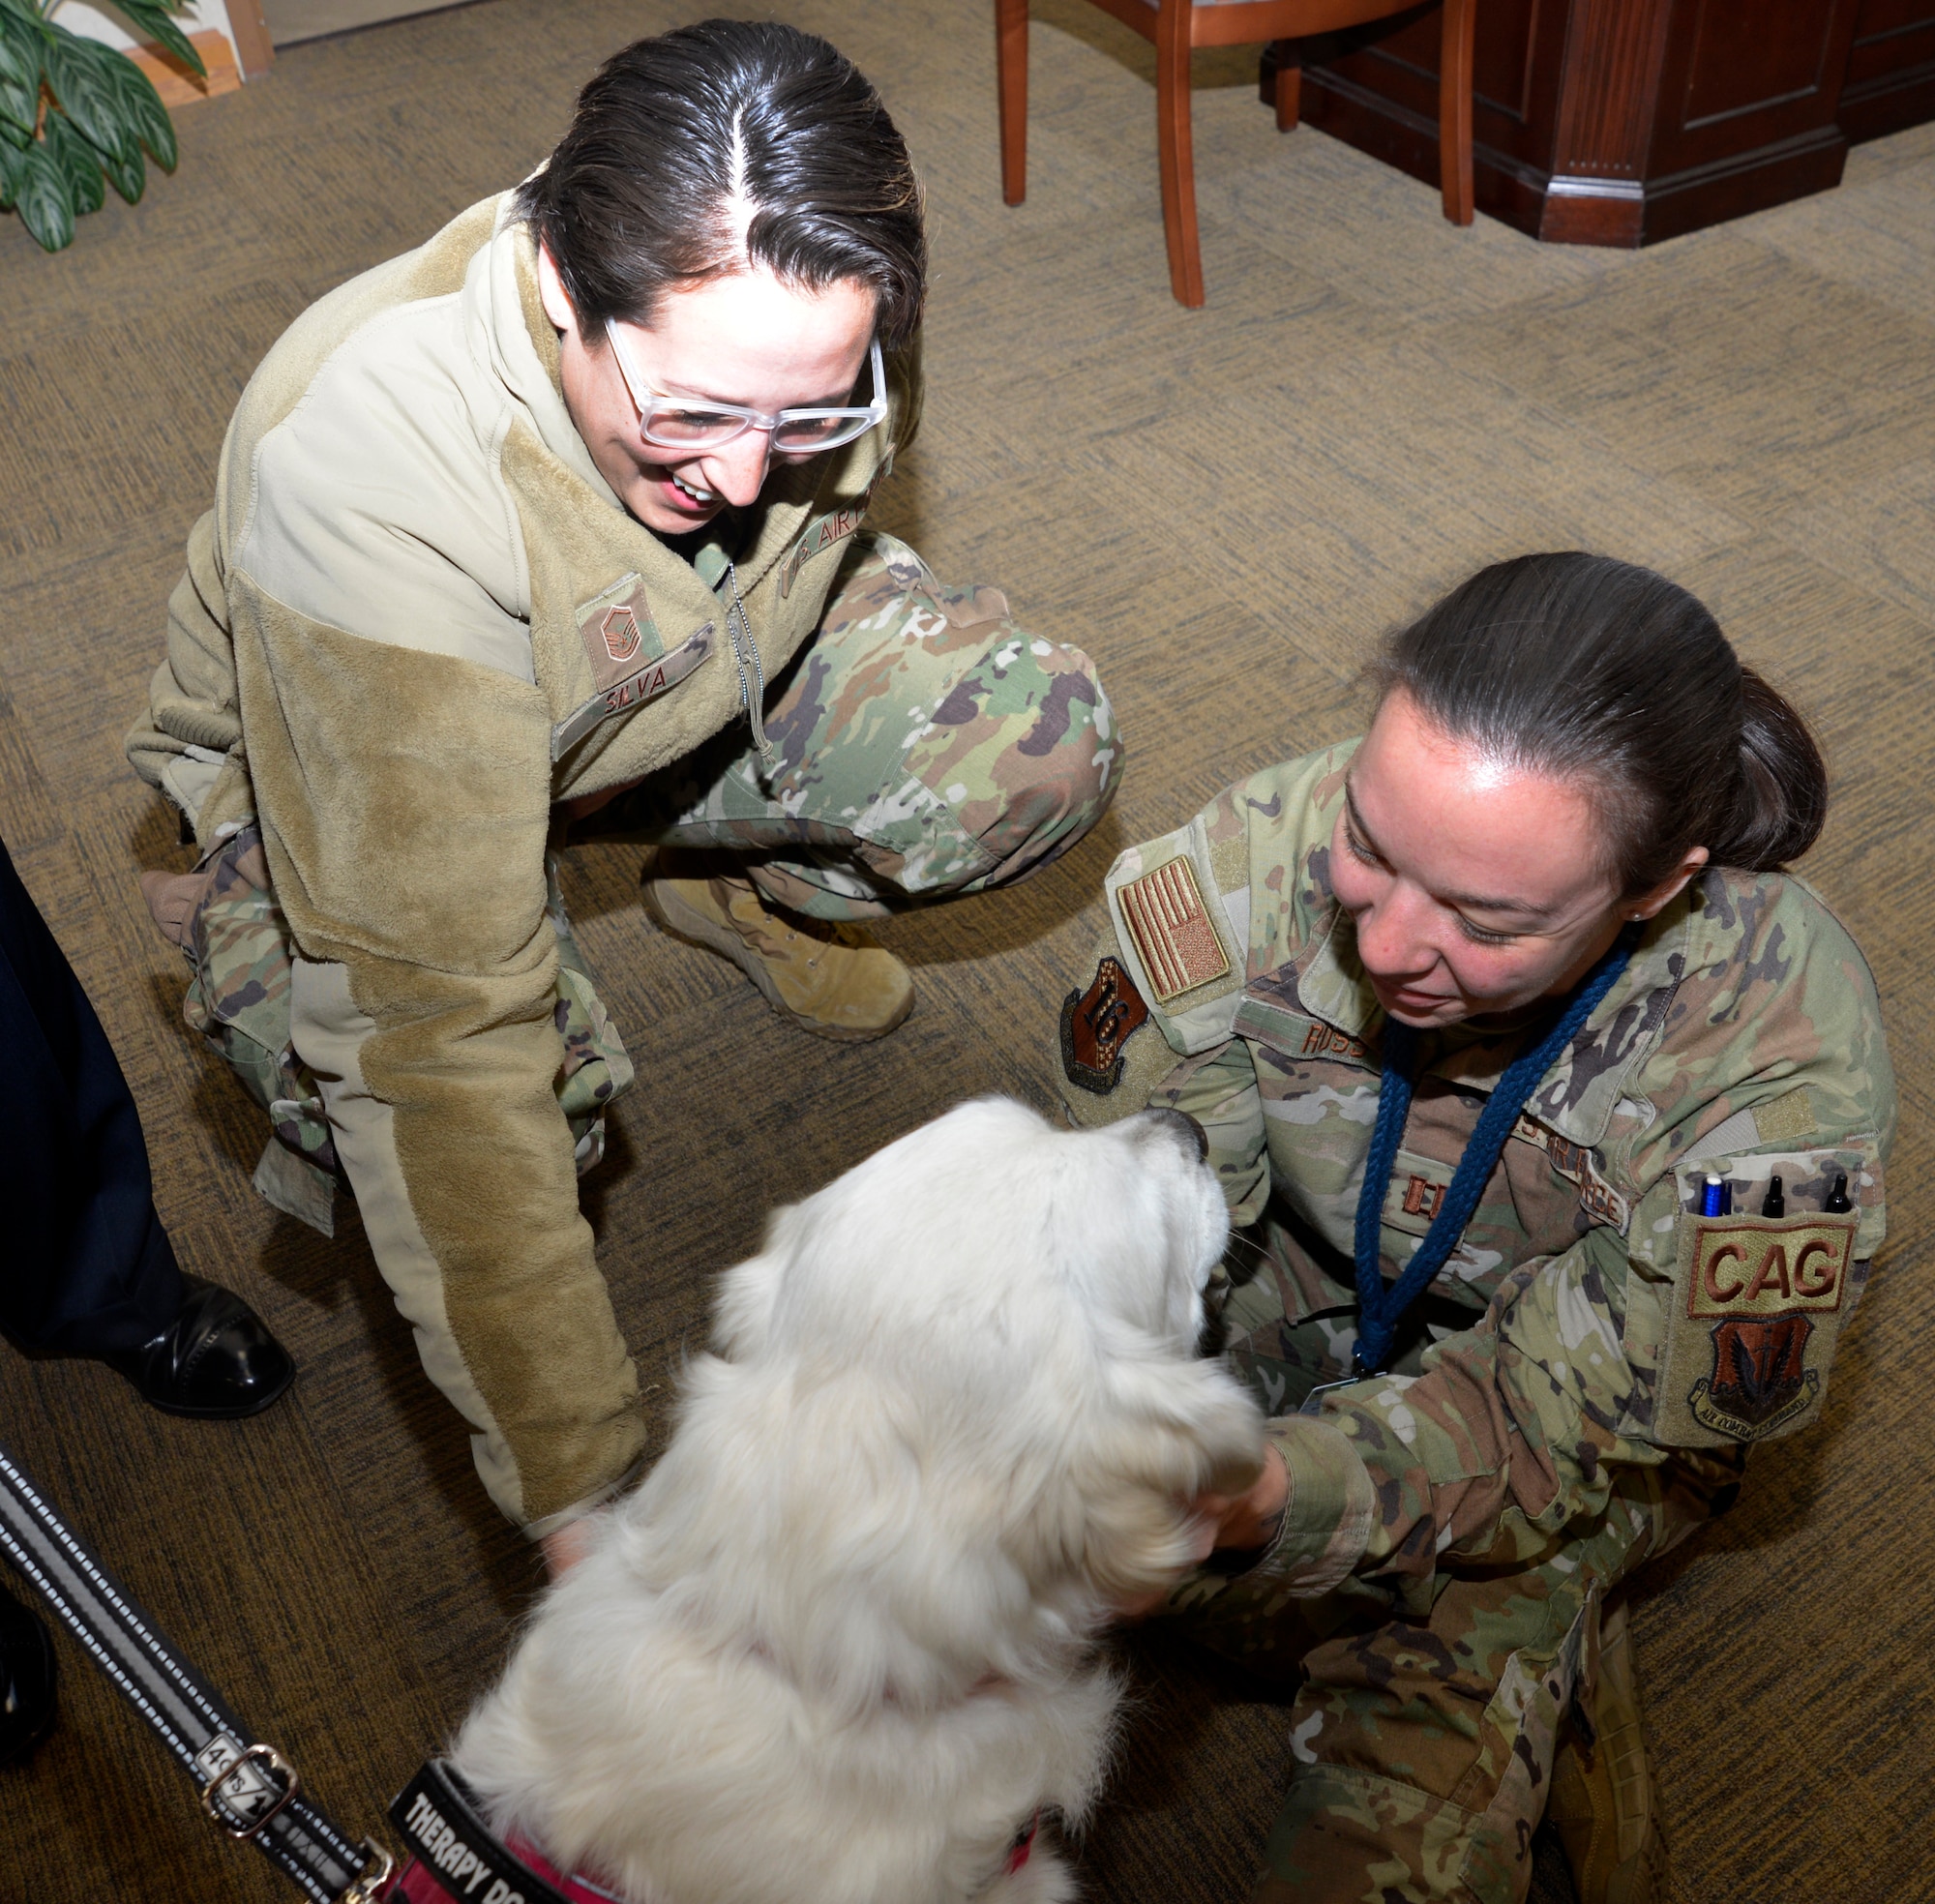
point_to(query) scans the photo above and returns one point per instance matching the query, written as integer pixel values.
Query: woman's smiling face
(1476, 887)
(746, 338)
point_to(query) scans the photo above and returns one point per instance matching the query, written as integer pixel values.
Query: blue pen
(1716, 1199)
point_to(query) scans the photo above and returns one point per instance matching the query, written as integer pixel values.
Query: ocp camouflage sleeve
(1505, 1438)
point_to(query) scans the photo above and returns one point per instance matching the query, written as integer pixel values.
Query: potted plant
(71, 110)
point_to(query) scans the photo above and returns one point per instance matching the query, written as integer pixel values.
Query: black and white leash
(248, 1788)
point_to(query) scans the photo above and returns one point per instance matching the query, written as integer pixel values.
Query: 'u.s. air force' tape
(437, 1818)
(654, 678)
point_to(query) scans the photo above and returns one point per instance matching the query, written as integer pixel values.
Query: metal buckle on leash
(226, 1808)
(371, 1882)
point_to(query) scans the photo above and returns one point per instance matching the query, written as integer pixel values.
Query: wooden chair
(1176, 26)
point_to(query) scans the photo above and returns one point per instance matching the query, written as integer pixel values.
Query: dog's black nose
(1183, 1122)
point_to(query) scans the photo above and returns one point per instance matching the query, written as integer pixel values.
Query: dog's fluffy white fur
(838, 1647)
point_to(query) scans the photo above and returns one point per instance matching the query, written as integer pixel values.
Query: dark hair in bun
(1595, 670)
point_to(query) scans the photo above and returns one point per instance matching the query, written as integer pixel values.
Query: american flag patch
(1171, 929)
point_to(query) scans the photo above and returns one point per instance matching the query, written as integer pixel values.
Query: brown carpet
(1223, 507)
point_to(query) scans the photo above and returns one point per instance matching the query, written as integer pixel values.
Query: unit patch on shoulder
(1759, 1308)
(1175, 935)
(1096, 1026)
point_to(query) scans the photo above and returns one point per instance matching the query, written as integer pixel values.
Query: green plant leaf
(151, 17)
(85, 78)
(42, 199)
(129, 175)
(141, 106)
(86, 190)
(20, 53)
(12, 161)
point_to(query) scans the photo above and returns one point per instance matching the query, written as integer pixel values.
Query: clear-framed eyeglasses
(677, 423)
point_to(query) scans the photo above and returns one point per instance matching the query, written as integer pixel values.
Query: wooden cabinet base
(1621, 122)
(181, 85)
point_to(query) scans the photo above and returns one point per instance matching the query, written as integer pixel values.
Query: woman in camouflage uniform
(1535, 923)
(559, 513)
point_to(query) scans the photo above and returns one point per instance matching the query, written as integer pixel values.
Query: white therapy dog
(837, 1648)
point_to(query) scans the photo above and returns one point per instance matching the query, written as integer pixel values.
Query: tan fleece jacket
(416, 617)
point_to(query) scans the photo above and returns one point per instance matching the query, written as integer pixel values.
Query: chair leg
(1173, 145)
(1454, 111)
(1011, 49)
(1289, 84)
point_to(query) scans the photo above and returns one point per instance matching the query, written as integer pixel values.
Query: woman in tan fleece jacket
(556, 517)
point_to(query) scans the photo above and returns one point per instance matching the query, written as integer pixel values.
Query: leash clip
(223, 1809)
(371, 1882)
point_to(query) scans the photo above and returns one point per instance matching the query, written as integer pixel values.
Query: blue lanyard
(1378, 1307)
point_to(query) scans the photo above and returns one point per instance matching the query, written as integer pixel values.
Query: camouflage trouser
(225, 917)
(921, 746)
(1423, 1741)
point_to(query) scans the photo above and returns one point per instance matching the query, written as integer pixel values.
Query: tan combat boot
(830, 980)
(1604, 1798)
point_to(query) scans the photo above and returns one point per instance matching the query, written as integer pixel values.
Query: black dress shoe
(216, 1359)
(26, 1679)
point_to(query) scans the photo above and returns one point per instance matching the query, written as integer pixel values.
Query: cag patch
(1096, 1026)
(1760, 1306)
(1176, 939)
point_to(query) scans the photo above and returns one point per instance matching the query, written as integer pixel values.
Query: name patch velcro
(654, 678)
(1176, 939)
(1575, 1163)
(822, 534)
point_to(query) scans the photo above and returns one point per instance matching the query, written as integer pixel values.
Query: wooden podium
(1616, 122)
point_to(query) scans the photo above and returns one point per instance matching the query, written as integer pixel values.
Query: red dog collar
(456, 1860)
(1017, 1852)
(417, 1883)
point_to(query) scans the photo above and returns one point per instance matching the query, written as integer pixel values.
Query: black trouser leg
(86, 1268)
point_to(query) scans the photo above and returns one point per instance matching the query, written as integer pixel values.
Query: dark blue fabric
(1379, 1308)
(86, 1268)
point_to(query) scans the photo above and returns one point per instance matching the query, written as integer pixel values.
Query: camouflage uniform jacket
(1604, 1322)
(416, 617)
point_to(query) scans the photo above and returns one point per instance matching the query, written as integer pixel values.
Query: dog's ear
(1174, 1429)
